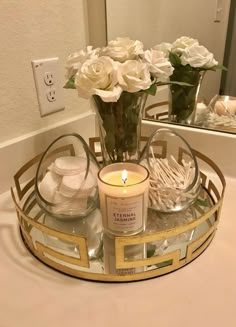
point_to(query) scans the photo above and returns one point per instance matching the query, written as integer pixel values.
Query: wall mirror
(152, 22)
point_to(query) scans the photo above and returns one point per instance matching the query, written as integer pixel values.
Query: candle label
(125, 214)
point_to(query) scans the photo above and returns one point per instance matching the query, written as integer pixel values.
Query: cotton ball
(49, 185)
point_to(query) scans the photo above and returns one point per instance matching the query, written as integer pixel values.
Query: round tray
(170, 241)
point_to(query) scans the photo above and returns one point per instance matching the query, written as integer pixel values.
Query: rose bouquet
(190, 61)
(118, 77)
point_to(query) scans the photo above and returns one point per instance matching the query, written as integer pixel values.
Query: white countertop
(201, 294)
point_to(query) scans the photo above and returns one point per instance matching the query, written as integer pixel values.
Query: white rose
(198, 56)
(182, 43)
(122, 49)
(76, 59)
(98, 76)
(164, 47)
(159, 65)
(134, 76)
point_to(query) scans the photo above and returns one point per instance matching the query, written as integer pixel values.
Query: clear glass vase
(120, 127)
(183, 99)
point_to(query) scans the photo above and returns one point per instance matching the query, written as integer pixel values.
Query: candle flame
(124, 176)
(226, 98)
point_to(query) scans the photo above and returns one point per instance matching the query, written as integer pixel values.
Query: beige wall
(33, 29)
(155, 21)
(97, 22)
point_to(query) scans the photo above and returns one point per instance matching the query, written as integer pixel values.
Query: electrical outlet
(51, 95)
(49, 78)
(48, 82)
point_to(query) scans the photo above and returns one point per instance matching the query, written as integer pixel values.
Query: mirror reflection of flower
(190, 61)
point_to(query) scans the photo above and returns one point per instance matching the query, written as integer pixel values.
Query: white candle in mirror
(225, 107)
(225, 103)
(123, 193)
(232, 106)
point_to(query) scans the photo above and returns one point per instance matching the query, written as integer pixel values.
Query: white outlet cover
(40, 68)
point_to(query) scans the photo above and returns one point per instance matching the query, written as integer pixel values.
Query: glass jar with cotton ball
(66, 190)
(66, 178)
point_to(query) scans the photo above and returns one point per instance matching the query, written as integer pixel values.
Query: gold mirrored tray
(80, 248)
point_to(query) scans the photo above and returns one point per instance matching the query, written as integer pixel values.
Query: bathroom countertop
(202, 293)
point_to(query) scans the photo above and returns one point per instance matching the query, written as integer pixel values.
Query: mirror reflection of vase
(183, 99)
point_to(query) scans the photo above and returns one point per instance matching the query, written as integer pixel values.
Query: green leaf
(214, 68)
(109, 123)
(219, 67)
(174, 59)
(132, 117)
(151, 250)
(110, 142)
(70, 84)
(150, 253)
(164, 264)
(152, 89)
(202, 203)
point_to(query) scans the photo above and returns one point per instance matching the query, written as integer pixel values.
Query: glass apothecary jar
(66, 178)
(174, 174)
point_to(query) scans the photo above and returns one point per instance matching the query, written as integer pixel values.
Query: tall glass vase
(183, 99)
(120, 126)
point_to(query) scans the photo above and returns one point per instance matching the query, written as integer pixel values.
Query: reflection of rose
(198, 56)
(182, 43)
(76, 59)
(159, 65)
(122, 49)
(98, 76)
(134, 76)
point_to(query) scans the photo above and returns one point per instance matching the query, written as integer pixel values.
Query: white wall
(155, 21)
(33, 29)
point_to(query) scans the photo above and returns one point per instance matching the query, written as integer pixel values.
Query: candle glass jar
(123, 202)
(221, 113)
(223, 105)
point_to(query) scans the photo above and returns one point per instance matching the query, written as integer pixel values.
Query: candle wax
(115, 178)
(225, 107)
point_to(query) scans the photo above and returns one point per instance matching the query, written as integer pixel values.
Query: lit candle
(221, 107)
(225, 107)
(232, 107)
(123, 193)
(226, 100)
